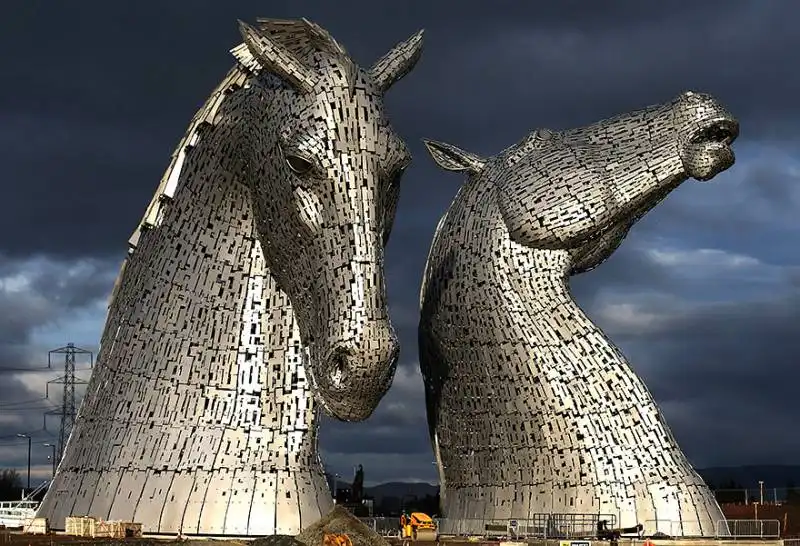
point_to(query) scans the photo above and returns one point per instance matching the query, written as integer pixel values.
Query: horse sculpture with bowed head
(324, 166)
(254, 281)
(531, 408)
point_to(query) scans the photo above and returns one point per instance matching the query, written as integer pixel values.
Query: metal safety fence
(564, 526)
(677, 528)
(386, 527)
(749, 528)
(757, 495)
(580, 526)
(725, 528)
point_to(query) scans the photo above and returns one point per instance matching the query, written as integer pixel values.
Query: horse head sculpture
(324, 168)
(253, 286)
(565, 190)
(531, 408)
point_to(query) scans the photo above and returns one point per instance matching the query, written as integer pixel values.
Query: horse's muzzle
(355, 375)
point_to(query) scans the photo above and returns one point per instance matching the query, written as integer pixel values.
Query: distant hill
(749, 476)
(401, 489)
(719, 477)
(390, 489)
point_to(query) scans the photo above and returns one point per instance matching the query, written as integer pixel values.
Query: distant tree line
(10, 485)
(733, 492)
(792, 494)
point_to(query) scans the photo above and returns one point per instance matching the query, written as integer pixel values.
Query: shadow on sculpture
(254, 280)
(531, 408)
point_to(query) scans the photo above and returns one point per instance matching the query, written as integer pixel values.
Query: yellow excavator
(418, 526)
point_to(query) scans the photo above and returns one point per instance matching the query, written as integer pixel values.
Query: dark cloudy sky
(703, 296)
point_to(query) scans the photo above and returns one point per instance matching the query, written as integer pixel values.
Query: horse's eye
(298, 164)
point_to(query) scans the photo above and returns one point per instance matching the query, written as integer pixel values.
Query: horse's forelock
(304, 39)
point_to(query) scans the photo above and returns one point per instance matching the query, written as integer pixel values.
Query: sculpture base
(200, 503)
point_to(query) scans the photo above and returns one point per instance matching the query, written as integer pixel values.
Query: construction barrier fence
(564, 526)
(749, 528)
(579, 526)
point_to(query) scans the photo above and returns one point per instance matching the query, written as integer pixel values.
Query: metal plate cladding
(531, 408)
(252, 294)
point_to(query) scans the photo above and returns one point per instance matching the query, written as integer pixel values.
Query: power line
(30, 432)
(34, 408)
(17, 442)
(5, 369)
(21, 402)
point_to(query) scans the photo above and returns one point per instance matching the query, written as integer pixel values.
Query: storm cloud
(703, 295)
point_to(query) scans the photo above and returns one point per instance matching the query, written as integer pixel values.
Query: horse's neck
(540, 282)
(197, 280)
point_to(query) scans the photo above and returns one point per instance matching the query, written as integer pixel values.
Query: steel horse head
(323, 165)
(524, 392)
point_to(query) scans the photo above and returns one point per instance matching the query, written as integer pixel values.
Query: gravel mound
(340, 522)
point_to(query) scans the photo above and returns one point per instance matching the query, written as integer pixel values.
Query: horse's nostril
(340, 362)
(338, 365)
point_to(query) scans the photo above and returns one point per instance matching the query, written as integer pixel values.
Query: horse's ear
(276, 59)
(453, 158)
(397, 63)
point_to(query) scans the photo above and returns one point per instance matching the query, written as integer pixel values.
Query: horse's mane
(303, 39)
(300, 37)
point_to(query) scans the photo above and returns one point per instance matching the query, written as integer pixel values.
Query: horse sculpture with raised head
(531, 408)
(254, 281)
